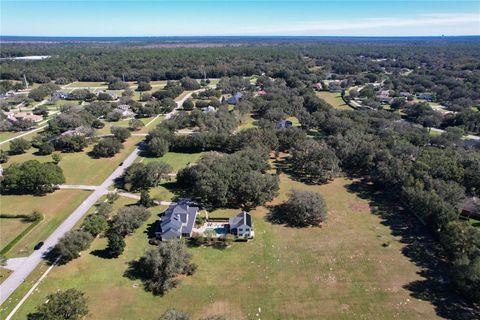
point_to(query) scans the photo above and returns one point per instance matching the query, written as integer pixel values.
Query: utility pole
(25, 82)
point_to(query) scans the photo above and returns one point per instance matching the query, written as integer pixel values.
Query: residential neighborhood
(239, 161)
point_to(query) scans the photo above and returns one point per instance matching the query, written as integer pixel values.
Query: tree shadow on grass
(102, 253)
(151, 228)
(282, 165)
(421, 247)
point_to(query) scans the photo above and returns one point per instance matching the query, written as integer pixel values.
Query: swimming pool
(218, 230)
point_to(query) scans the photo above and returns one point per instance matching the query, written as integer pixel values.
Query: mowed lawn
(176, 160)
(79, 167)
(10, 228)
(335, 99)
(86, 84)
(8, 135)
(124, 123)
(339, 271)
(55, 207)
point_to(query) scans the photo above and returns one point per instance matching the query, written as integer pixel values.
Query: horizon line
(247, 35)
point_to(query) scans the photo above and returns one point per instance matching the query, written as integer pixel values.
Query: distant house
(283, 124)
(23, 116)
(177, 221)
(79, 131)
(124, 109)
(235, 98)
(209, 109)
(261, 93)
(405, 94)
(385, 100)
(384, 97)
(384, 93)
(425, 96)
(241, 225)
(317, 86)
(60, 95)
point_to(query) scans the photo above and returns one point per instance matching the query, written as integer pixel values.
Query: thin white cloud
(372, 24)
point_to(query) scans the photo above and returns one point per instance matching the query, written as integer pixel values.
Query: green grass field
(176, 159)
(55, 207)
(86, 84)
(339, 271)
(79, 167)
(10, 228)
(124, 123)
(334, 98)
(246, 122)
(8, 135)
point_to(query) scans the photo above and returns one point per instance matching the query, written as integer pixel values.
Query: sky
(224, 17)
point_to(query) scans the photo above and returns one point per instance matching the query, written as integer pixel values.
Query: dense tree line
(430, 180)
(31, 177)
(237, 179)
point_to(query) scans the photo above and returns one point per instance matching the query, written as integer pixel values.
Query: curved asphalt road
(18, 276)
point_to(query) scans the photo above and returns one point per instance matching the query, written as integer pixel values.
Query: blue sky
(223, 17)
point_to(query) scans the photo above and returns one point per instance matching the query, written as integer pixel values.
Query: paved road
(466, 137)
(23, 134)
(78, 186)
(18, 276)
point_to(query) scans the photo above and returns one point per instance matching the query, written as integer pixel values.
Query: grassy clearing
(86, 84)
(4, 273)
(246, 122)
(8, 135)
(55, 207)
(474, 222)
(333, 98)
(124, 123)
(295, 121)
(176, 159)
(340, 271)
(79, 167)
(10, 229)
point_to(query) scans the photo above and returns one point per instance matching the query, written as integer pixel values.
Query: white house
(241, 225)
(208, 109)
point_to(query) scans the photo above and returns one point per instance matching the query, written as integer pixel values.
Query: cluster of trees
(431, 180)
(31, 177)
(302, 209)
(140, 176)
(237, 179)
(8, 85)
(160, 267)
(164, 105)
(190, 84)
(97, 223)
(171, 90)
(107, 147)
(127, 220)
(68, 304)
(87, 63)
(70, 246)
(43, 91)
